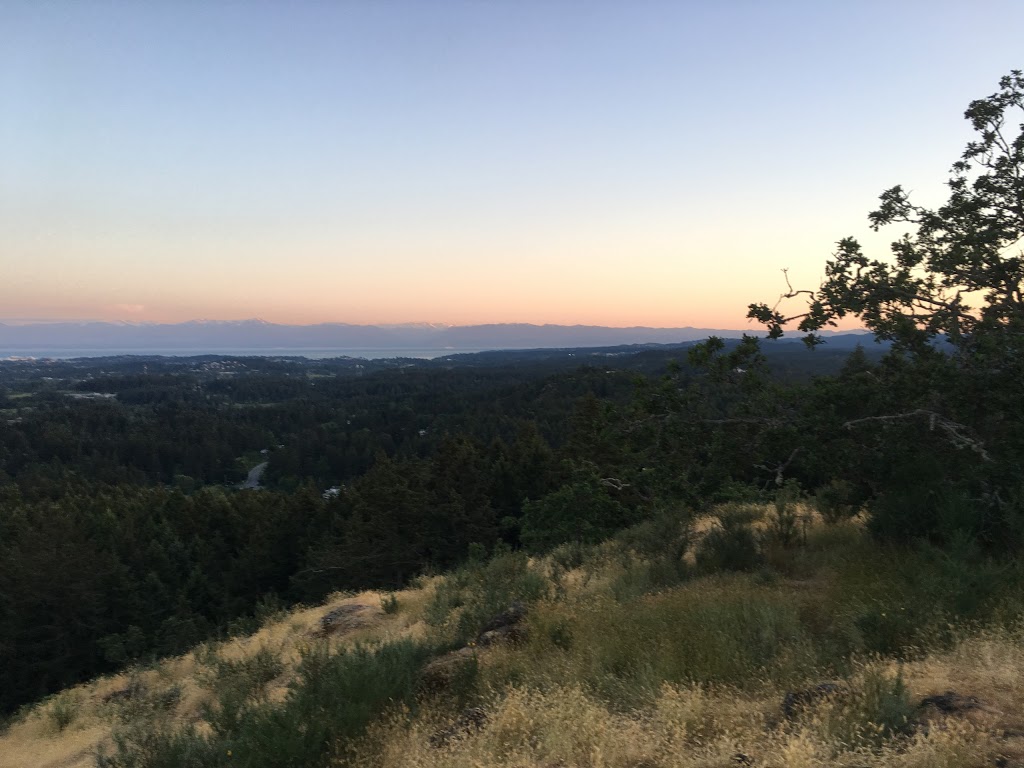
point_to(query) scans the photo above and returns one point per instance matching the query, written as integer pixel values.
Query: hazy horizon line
(430, 323)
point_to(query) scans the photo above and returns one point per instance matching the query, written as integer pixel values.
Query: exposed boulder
(507, 627)
(346, 618)
(439, 674)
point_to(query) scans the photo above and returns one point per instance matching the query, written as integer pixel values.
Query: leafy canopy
(959, 274)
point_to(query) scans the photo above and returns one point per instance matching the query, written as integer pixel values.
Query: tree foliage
(940, 441)
(959, 275)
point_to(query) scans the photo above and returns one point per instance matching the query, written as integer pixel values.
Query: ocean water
(307, 352)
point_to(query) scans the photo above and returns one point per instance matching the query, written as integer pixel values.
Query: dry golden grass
(707, 727)
(545, 711)
(549, 721)
(35, 741)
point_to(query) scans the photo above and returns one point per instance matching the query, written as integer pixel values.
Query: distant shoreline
(312, 353)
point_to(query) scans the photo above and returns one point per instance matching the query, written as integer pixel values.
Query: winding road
(252, 482)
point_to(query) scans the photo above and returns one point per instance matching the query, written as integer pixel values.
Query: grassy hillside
(758, 636)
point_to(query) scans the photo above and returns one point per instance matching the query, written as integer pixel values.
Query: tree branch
(954, 431)
(780, 469)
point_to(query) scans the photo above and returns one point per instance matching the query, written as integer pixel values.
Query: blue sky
(617, 163)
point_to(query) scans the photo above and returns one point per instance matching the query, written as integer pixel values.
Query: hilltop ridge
(617, 654)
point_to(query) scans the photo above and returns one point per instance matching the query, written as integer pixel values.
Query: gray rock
(345, 618)
(506, 627)
(442, 672)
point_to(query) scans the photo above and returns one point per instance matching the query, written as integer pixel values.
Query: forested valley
(125, 533)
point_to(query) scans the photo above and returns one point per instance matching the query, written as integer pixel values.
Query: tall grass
(659, 647)
(731, 632)
(334, 696)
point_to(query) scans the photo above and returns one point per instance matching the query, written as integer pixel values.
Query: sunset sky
(562, 161)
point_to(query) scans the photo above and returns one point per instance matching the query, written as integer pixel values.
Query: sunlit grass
(633, 657)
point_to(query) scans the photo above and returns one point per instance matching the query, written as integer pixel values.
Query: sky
(543, 161)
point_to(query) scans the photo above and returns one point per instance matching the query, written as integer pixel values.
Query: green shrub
(731, 546)
(144, 705)
(643, 577)
(570, 555)
(248, 677)
(740, 512)
(470, 597)
(335, 696)
(877, 708)
(389, 604)
(886, 704)
(836, 501)
(784, 523)
(581, 511)
(652, 555)
(63, 710)
(270, 608)
(888, 630)
(147, 745)
(666, 536)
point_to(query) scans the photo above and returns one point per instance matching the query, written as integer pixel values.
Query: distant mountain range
(260, 337)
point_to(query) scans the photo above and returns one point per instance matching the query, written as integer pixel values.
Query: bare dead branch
(791, 293)
(955, 432)
(780, 469)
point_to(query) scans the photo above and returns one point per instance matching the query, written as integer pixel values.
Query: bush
(652, 554)
(470, 597)
(643, 577)
(836, 501)
(569, 556)
(389, 604)
(731, 546)
(331, 702)
(666, 536)
(63, 710)
(143, 705)
(877, 708)
(784, 524)
(582, 512)
(246, 678)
